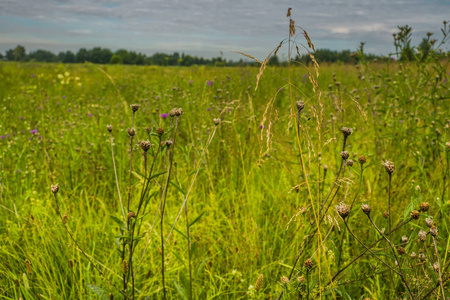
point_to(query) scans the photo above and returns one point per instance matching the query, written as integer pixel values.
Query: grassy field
(261, 186)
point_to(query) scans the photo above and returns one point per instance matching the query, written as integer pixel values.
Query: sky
(212, 28)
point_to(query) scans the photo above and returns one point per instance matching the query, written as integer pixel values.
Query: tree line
(106, 56)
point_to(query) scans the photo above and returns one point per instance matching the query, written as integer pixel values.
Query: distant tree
(69, 57)
(82, 55)
(116, 59)
(19, 53)
(43, 56)
(1, 56)
(10, 54)
(100, 55)
(273, 61)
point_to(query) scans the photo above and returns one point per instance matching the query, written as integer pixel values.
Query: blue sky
(209, 27)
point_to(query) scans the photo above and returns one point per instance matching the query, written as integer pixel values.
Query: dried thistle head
(346, 131)
(422, 235)
(259, 282)
(135, 107)
(309, 264)
(284, 280)
(413, 255)
(415, 215)
(401, 251)
(131, 215)
(350, 162)
(404, 239)
(172, 112)
(55, 188)
(301, 279)
(389, 166)
(434, 231)
(145, 145)
(178, 112)
(362, 159)
(343, 210)
(422, 257)
(436, 266)
(424, 206)
(160, 131)
(429, 222)
(325, 167)
(366, 209)
(109, 127)
(300, 106)
(385, 215)
(216, 121)
(345, 155)
(131, 131)
(168, 143)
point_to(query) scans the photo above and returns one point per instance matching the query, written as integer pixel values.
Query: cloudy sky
(211, 27)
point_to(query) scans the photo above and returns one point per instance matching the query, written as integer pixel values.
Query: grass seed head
(389, 166)
(345, 155)
(259, 282)
(55, 188)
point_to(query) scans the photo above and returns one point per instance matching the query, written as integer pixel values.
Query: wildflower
(90, 115)
(164, 115)
(21, 118)
(172, 112)
(209, 82)
(34, 131)
(208, 109)
(178, 112)
(389, 166)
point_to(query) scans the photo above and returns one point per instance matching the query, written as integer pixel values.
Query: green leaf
(177, 187)
(200, 268)
(182, 291)
(196, 219)
(118, 221)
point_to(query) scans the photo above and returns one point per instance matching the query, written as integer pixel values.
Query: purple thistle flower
(69, 110)
(34, 131)
(2, 137)
(57, 103)
(208, 109)
(261, 126)
(210, 83)
(90, 115)
(304, 76)
(21, 117)
(64, 97)
(392, 58)
(164, 115)
(444, 80)
(8, 135)
(32, 75)
(30, 138)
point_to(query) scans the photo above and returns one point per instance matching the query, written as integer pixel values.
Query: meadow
(276, 207)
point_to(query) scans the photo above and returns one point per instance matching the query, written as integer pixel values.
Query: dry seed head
(436, 266)
(401, 250)
(109, 128)
(422, 235)
(124, 266)
(429, 222)
(300, 106)
(415, 215)
(434, 231)
(285, 280)
(413, 255)
(168, 143)
(350, 162)
(343, 210)
(424, 206)
(362, 159)
(325, 167)
(259, 282)
(404, 239)
(345, 155)
(131, 132)
(301, 279)
(389, 166)
(366, 209)
(55, 188)
(178, 112)
(447, 145)
(289, 12)
(309, 264)
(422, 257)
(346, 131)
(135, 107)
(160, 131)
(172, 112)
(216, 121)
(145, 145)
(385, 215)
(131, 215)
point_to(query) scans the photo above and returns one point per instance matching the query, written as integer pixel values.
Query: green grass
(244, 196)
